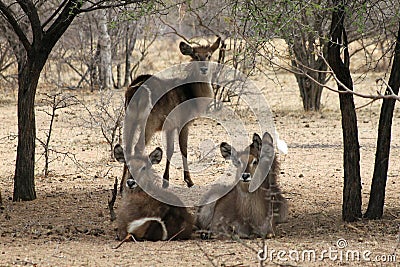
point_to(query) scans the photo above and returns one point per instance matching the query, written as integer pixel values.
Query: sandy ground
(69, 224)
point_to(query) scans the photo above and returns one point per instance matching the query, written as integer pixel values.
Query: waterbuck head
(200, 53)
(140, 166)
(248, 160)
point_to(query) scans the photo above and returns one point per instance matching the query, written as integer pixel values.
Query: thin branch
(201, 24)
(54, 13)
(99, 5)
(387, 85)
(366, 105)
(62, 22)
(346, 90)
(174, 30)
(9, 16)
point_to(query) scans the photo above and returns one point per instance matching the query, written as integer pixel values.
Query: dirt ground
(69, 223)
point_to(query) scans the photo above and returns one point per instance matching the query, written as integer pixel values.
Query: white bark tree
(105, 57)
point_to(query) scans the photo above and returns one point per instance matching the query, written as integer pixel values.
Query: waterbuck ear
(267, 138)
(267, 155)
(215, 44)
(186, 49)
(156, 156)
(267, 150)
(257, 142)
(229, 153)
(119, 153)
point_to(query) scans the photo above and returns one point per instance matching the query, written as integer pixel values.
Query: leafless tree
(32, 46)
(107, 116)
(51, 103)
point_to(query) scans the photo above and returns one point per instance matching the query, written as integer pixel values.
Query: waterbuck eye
(255, 162)
(209, 57)
(143, 169)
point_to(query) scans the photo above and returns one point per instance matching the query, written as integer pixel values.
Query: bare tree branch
(30, 10)
(54, 14)
(295, 70)
(174, 30)
(101, 5)
(9, 16)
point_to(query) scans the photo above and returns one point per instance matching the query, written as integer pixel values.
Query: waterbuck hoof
(165, 183)
(269, 235)
(205, 236)
(189, 183)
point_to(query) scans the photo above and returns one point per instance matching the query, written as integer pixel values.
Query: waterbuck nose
(131, 183)
(246, 176)
(203, 69)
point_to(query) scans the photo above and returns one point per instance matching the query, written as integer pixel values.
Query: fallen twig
(129, 237)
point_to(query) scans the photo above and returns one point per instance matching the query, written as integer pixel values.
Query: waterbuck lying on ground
(240, 212)
(155, 98)
(140, 215)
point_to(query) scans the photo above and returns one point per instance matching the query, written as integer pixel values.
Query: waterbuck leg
(170, 151)
(145, 135)
(183, 140)
(140, 145)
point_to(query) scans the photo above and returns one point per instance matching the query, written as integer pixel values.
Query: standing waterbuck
(142, 216)
(152, 104)
(246, 214)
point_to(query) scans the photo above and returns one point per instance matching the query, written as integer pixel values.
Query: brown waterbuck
(154, 99)
(240, 212)
(142, 216)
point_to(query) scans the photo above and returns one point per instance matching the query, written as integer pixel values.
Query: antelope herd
(239, 212)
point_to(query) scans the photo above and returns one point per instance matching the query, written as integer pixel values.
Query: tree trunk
(119, 78)
(377, 194)
(127, 76)
(31, 57)
(28, 77)
(351, 208)
(94, 74)
(310, 71)
(105, 52)
(130, 42)
(310, 92)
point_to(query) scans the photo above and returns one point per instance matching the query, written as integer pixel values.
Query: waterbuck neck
(251, 206)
